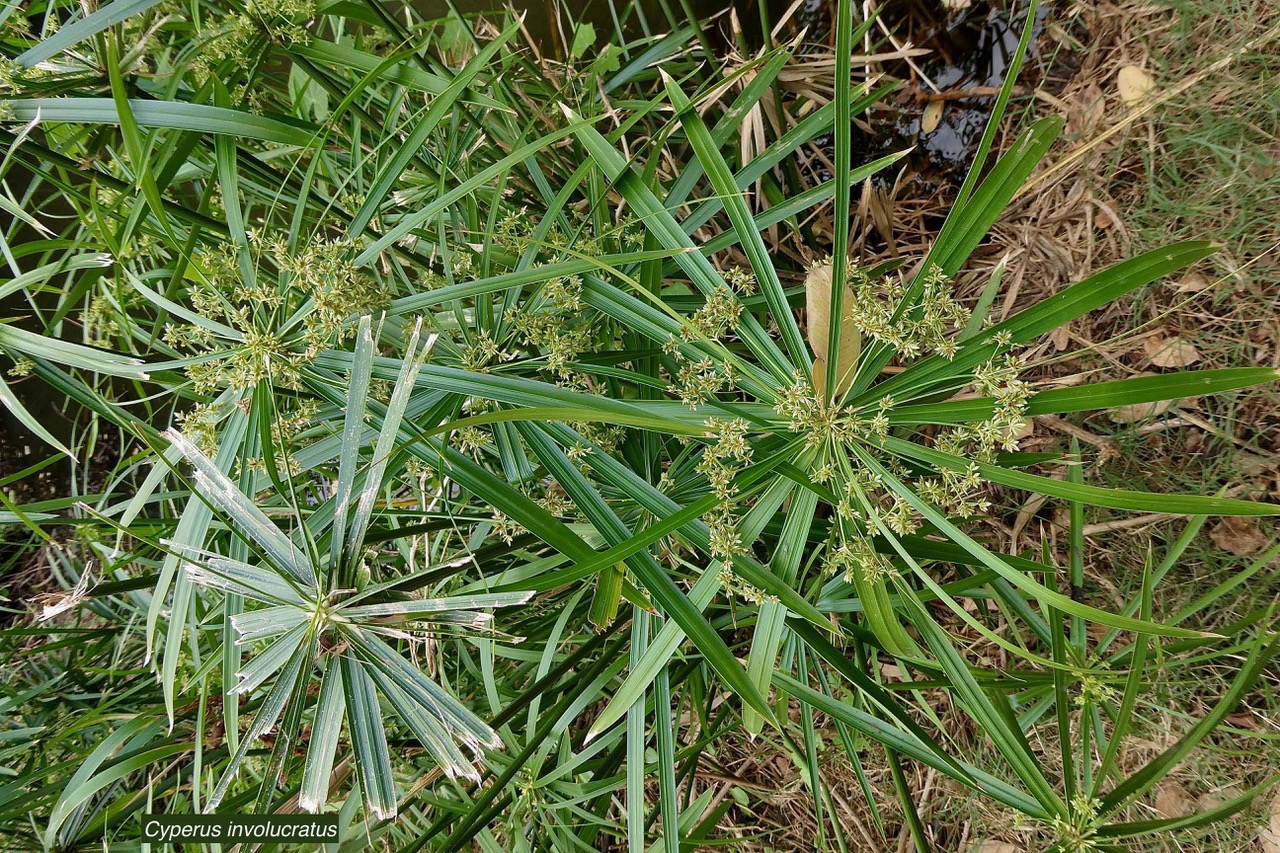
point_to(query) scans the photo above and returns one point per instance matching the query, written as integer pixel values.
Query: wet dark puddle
(948, 100)
(942, 108)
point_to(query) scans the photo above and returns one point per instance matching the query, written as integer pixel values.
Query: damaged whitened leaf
(266, 622)
(1134, 85)
(323, 744)
(817, 288)
(55, 604)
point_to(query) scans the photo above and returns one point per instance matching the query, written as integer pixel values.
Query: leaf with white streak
(216, 486)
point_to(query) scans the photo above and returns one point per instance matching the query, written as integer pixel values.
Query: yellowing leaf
(1134, 85)
(817, 288)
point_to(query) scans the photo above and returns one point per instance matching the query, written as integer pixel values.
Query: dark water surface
(971, 53)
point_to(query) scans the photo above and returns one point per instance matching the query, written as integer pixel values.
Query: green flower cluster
(720, 313)
(271, 326)
(925, 328)
(829, 428)
(698, 381)
(554, 325)
(1077, 833)
(232, 37)
(722, 459)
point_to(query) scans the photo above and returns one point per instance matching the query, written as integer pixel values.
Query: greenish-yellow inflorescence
(830, 428)
(200, 425)
(823, 423)
(471, 440)
(697, 381)
(17, 27)
(928, 327)
(722, 309)
(722, 459)
(299, 302)
(102, 320)
(505, 529)
(856, 556)
(290, 428)
(1094, 690)
(232, 37)
(316, 275)
(13, 75)
(727, 451)
(551, 326)
(737, 586)
(483, 353)
(724, 541)
(1077, 832)
(21, 367)
(557, 331)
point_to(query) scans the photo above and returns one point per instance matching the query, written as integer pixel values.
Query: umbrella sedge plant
(485, 462)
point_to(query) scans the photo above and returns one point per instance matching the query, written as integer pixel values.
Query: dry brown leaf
(1193, 283)
(878, 204)
(1172, 800)
(1140, 411)
(1088, 109)
(1213, 799)
(997, 847)
(1238, 536)
(1171, 352)
(1134, 85)
(1243, 720)
(931, 117)
(1269, 838)
(1108, 217)
(1256, 466)
(817, 288)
